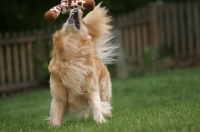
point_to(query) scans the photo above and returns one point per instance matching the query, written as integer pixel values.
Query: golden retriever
(79, 77)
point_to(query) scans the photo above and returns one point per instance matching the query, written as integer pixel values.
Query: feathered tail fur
(98, 23)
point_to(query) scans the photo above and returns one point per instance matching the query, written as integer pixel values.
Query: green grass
(161, 102)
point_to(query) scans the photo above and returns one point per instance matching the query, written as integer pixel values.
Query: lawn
(160, 102)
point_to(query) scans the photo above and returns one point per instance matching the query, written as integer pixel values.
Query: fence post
(39, 34)
(155, 25)
(2, 67)
(197, 29)
(23, 59)
(16, 60)
(9, 61)
(122, 66)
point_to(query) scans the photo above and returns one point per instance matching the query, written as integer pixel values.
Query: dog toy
(66, 6)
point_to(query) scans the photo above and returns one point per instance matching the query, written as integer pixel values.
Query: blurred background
(154, 36)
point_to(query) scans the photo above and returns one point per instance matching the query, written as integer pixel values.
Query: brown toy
(66, 6)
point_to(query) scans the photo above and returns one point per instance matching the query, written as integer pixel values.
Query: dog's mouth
(74, 18)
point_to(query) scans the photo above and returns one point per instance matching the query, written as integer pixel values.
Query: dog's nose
(76, 10)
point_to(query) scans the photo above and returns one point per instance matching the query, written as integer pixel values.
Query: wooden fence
(173, 28)
(21, 58)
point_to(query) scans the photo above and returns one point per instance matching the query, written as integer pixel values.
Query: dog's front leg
(94, 102)
(57, 111)
(59, 101)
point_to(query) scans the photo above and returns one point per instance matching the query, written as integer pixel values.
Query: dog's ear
(97, 22)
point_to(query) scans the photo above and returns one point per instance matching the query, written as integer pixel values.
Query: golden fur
(79, 79)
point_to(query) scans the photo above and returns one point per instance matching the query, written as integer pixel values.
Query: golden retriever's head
(94, 25)
(74, 27)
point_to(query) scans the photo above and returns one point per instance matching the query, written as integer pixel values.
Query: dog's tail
(98, 23)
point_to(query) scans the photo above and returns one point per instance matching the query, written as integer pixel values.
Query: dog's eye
(84, 23)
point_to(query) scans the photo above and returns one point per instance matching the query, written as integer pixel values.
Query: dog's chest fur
(72, 62)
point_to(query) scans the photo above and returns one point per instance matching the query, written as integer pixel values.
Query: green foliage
(43, 59)
(161, 102)
(151, 62)
(24, 14)
(46, 60)
(19, 15)
(150, 54)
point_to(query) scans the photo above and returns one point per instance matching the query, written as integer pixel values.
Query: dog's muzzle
(74, 18)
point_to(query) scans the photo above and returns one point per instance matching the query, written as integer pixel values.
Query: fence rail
(173, 28)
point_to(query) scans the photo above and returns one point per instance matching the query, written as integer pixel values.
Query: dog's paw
(99, 118)
(53, 122)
